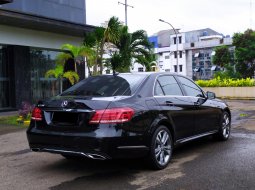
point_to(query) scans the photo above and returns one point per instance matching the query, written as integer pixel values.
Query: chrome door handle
(169, 103)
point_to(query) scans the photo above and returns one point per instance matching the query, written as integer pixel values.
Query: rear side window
(190, 87)
(168, 86)
(106, 85)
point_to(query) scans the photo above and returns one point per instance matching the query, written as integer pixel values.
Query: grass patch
(243, 115)
(11, 120)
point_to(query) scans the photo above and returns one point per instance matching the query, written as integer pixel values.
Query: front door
(206, 117)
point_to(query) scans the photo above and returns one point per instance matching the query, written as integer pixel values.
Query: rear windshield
(106, 85)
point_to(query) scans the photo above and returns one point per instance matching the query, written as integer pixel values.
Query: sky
(224, 16)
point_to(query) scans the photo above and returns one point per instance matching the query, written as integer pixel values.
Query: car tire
(225, 128)
(161, 147)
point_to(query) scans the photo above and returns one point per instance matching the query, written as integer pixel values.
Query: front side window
(169, 86)
(190, 87)
(106, 86)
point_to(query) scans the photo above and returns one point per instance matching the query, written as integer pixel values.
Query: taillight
(37, 114)
(113, 115)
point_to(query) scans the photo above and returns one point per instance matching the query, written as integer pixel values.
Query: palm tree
(59, 73)
(93, 40)
(132, 47)
(111, 35)
(79, 52)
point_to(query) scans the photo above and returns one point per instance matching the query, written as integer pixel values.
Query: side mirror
(210, 95)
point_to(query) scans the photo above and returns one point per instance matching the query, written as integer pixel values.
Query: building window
(41, 61)
(167, 57)
(4, 79)
(175, 54)
(140, 69)
(180, 39)
(201, 55)
(175, 40)
(180, 54)
(196, 55)
(201, 63)
(175, 68)
(180, 68)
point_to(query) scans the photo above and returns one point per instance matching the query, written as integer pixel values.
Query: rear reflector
(114, 115)
(37, 114)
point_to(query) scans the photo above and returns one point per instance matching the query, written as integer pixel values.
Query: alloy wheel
(226, 126)
(162, 148)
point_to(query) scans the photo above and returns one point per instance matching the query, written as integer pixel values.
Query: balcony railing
(209, 43)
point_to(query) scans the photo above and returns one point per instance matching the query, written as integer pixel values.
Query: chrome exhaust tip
(57, 151)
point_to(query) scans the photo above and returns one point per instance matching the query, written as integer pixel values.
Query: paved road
(202, 164)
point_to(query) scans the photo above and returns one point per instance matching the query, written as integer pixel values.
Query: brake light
(37, 114)
(114, 115)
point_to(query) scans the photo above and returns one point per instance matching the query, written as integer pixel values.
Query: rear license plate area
(64, 118)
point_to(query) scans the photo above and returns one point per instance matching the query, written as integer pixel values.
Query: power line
(126, 6)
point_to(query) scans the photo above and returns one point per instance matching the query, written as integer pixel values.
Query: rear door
(178, 108)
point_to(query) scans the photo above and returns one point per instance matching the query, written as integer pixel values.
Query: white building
(192, 51)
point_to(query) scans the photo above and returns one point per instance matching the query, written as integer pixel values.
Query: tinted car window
(168, 85)
(106, 85)
(190, 87)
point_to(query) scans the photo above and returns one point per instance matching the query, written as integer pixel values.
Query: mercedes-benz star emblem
(64, 103)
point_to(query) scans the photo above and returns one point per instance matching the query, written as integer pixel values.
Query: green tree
(245, 52)
(131, 47)
(111, 35)
(222, 56)
(93, 40)
(59, 73)
(78, 53)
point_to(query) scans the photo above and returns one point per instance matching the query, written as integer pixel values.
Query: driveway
(201, 164)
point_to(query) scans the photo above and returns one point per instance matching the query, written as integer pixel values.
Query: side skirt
(196, 137)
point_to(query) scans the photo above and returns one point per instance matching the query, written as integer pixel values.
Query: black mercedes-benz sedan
(127, 115)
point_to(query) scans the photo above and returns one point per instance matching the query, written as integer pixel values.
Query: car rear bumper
(101, 148)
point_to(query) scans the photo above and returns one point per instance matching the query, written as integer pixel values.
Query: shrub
(26, 110)
(226, 82)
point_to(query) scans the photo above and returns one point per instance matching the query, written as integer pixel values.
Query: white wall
(25, 37)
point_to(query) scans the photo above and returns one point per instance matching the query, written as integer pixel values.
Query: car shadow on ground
(112, 174)
(139, 164)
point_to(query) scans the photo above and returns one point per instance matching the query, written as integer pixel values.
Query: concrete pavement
(201, 164)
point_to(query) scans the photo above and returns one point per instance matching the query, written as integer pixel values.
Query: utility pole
(126, 6)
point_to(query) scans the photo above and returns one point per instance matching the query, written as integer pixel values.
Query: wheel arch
(164, 122)
(228, 111)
